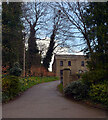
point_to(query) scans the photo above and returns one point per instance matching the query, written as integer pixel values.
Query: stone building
(76, 64)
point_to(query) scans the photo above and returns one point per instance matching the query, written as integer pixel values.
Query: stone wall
(75, 67)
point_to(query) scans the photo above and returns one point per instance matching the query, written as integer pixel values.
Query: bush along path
(95, 95)
(13, 86)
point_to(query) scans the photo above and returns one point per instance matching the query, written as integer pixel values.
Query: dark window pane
(61, 72)
(61, 63)
(82, 63)
(69, 63)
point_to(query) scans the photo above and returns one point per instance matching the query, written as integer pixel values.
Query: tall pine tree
(96, 17)
(12, 37)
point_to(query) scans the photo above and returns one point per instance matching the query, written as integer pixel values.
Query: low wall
(40, 71)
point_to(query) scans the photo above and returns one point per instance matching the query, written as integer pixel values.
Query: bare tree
(58, 32)
(48, 57)
(74, 13)
(33, 15)
(61, 25)
(43, 46)
(58, 35)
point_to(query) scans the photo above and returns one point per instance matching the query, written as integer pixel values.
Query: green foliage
(33, 53)
(99, 93)
(10, 87)
(98, 61)
(94, 77)
(12, 38)
(16, 71)
(77, 90)
(60, 87)
(97, 25)
(13, 85)
(97, 82)
(26, 83)
(96, 20)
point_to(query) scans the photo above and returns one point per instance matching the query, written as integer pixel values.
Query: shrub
(60, 87)
(5, 70)
(28, 82)
(16, 71)
(94, 77)
(77, 90)
(10, 87)
(99, 93)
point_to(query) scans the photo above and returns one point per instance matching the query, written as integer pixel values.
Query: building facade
(76, 64)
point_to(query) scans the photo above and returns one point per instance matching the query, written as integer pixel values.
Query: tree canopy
(12, 37)
(96, 18)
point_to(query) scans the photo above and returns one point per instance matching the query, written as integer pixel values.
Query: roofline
(68, 55)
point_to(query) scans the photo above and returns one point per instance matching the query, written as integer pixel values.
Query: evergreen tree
(96, 18)
(49, 54)
(56, 24)
(32, 47)
(12, 37)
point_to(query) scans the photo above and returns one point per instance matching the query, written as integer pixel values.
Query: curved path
(44, 101)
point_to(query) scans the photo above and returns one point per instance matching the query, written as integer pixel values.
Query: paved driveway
(44, 101)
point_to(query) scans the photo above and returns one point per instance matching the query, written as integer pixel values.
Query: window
(69, 63)
(82, 63)
(61, 63)
(61, 72)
